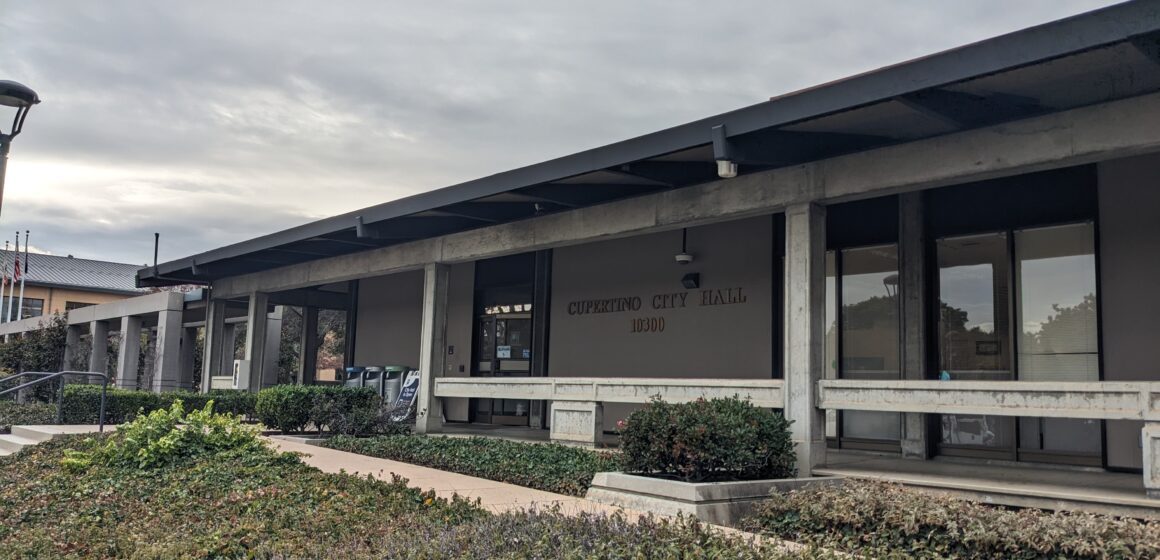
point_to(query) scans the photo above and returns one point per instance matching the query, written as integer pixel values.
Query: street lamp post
(21, 97)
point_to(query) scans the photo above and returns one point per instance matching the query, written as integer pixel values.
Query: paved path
(494, 496)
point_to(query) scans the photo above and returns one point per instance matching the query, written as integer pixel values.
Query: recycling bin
(354, 376)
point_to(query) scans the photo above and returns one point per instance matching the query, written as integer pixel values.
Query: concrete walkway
(494, 496)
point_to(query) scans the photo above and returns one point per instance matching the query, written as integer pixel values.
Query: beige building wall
(390, 313)
(56, 299)
(1129, 237)
(724, 329)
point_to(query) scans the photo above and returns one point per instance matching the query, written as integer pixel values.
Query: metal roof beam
(1149, 46)
(783, 147)
(672, 173)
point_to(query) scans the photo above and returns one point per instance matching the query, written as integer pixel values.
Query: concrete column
(433, 348)
(72, 339)
(1150, 441)
(273, 346)
(229, 347)
(167, 353)
(308, 359)
(99, 347)
(211, 358)
(805, 315)
(188, 357)
(912, 289)
(256, 329)
(127, 356)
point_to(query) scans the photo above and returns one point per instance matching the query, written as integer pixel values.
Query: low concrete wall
(721, 503)
(765, 393)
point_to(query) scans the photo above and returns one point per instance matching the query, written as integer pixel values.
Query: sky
(213, 122)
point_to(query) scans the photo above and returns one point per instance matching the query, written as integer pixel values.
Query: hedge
(890, 521)
(82, 403)
(13, 414)
(344, 410)
(717, 439)
(544, 466)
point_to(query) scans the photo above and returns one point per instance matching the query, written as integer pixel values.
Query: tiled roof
(52, 270)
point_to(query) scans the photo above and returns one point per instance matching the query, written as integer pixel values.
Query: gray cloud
(216, 121)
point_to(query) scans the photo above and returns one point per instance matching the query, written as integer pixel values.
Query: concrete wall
(1129, 235)
(390, 311)
(722, 340)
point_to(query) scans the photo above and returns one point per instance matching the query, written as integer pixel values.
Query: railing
(767, 393)
(1106, 400)
(45, 377)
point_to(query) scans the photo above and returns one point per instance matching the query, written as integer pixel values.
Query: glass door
(504, 349)
(974, 326)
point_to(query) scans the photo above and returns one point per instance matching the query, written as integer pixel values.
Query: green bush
(890, 521)
(82, 403)
(549, 467)
(166, 435)
(285, 407)
(345, 410)
(718, 439)
(12, 414)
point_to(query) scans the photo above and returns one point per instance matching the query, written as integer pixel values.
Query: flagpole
(4, 285)
(12, 287)
(23, 275)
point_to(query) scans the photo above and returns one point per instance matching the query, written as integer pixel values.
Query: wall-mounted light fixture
(684, 257)
(723, 153)
(691, 281)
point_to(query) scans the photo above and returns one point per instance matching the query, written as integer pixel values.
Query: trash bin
(393, 383)
(354, 376)
(374, 379)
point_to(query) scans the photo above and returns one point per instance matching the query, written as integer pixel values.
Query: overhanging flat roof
(1099, 56)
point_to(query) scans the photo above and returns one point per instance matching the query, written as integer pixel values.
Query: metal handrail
(48, 376)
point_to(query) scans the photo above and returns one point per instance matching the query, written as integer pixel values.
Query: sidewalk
(494, 496)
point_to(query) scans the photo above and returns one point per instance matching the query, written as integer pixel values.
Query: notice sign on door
(503, 352)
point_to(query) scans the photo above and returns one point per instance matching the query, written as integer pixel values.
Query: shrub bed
(211, 489)
(82, 403)
(543, 466)
(707, 440)
(342, 410)
(221, 494)
(890, 521)
(12, 414)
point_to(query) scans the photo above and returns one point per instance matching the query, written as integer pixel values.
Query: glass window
(70, 305)
(1058, 340)
(33, 307)
(862, 340)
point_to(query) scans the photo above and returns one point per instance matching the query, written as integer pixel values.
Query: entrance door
(504, 349)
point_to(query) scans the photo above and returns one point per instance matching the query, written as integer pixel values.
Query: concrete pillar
(805, 315)
(72, 340)
(127, 356)
(167, 353)
(912, 289)
(308, 359)
(211, 357)
(188, 357)
(433, 347)
(99, 347)
(273, 346)
(1150, 441)
(256, 329)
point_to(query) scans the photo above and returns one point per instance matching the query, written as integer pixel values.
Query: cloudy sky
(215, 121)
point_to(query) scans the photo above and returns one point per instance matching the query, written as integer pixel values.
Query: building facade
(949, 258)
(55, 284)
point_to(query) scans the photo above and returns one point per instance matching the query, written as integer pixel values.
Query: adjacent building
(55, 284)
(949, 261)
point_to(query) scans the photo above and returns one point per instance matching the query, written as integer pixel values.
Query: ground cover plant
(154, 490)
(203, 485)
(543, 466)
(707, 440)
(889, 521)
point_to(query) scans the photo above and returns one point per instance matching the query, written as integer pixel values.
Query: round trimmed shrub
(707, 440)
(285, 407)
